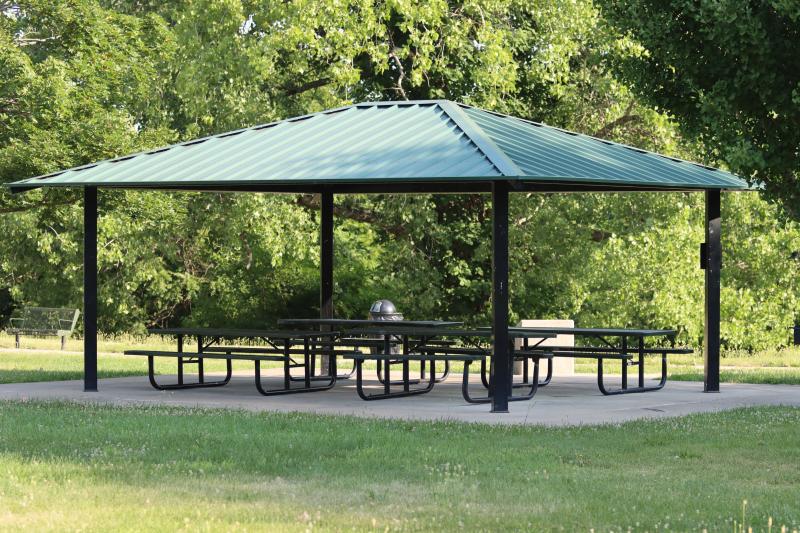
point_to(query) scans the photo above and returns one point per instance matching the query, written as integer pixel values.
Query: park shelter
(435, 146)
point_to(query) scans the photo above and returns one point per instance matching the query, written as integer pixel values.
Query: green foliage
(86, 80)
(730, 73)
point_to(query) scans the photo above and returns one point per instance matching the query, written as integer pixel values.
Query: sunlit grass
(68, 466)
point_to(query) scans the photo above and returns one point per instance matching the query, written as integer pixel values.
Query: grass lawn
(66, 466)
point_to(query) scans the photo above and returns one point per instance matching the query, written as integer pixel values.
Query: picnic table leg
(549, 376)
(625, 390)
(151, 372)
(624, 363)
(386, 392)
(151, 375)
(200, 376)
(332, 364)
(313, 358)
(386, 377)
(307, 364)
(287, 381)
(525, 362)
(484, 375)
(663, 380)
(445, 373)
(387, 348)
(406, 386)
(180, 360)
(360, 379)
(641, 362)
(534, 385)
(287, 365)
(386, 362)
(465, 384)
(16, 340)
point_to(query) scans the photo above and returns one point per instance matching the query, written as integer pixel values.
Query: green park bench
(43, 321)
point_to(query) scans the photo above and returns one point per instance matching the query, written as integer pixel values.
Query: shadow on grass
(754, 376)
(8, 376)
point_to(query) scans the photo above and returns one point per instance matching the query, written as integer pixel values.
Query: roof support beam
(501, 355)
(405, 187)
(90, 289)
(713, 267)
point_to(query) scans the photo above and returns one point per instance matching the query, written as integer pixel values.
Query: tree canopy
(729, 72)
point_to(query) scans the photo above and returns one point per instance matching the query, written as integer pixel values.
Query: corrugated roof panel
(382, 142)
(407, 141)
(547, 153)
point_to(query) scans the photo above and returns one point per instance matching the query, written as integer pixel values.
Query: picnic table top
(446, 332)
(595, 332)
(242, 333)
(354, 322)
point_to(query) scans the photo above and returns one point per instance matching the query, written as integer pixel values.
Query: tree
(729, 72)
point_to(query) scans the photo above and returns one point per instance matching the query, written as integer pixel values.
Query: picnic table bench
(44, 321)
(279, 346)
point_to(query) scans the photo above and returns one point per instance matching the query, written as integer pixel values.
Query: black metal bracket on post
(502, 351)
(713, 267)
(90, 289)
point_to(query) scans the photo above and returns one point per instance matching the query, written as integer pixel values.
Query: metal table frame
(612, 351)
(279, 345)
(426, 334)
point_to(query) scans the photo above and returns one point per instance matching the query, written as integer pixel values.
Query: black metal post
(326, 256)
(713, 267)
(90, 289)
(326, 264)
(502, 364)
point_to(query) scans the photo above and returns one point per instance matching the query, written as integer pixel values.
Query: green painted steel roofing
(385, 142)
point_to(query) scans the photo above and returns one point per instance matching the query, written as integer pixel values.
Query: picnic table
(346, 324)
(418, 346)
(278, 345)
(613, 344)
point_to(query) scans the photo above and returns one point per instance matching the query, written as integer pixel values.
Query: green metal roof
(385, 142)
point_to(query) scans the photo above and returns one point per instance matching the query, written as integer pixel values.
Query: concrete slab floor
(566, 401)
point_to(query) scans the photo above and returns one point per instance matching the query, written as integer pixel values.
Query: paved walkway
(566, 401)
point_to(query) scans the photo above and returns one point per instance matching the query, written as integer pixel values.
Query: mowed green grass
(69, 466)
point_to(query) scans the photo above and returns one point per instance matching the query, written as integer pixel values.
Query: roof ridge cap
(504, 164)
